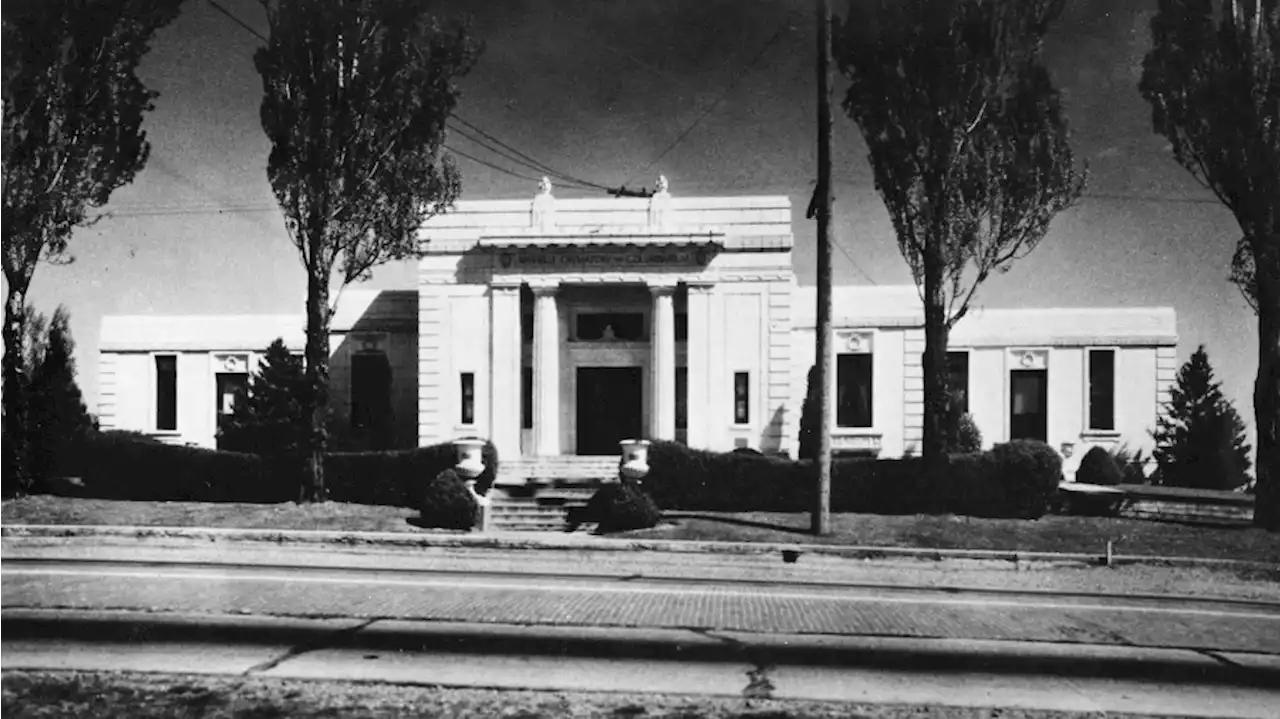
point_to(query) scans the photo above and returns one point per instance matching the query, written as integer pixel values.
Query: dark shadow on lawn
(735, 520)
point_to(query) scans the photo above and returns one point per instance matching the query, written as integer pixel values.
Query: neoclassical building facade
(560, 326)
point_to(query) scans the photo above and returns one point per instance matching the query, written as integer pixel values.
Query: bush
(698, 480)
(963, 436)
(1017, 479)
(1132, 465)
(396, 477)
(121, 465)
(882, 486)
(446, 503)
(1099, 467)
(617, 507)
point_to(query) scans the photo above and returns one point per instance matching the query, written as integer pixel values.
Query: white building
(561, 326)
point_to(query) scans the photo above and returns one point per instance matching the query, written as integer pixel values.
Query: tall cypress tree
(1200, 442)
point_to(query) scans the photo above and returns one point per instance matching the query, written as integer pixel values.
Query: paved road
(653, 603)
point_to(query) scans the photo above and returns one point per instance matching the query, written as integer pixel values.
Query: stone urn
(635, 458)
(470, 460)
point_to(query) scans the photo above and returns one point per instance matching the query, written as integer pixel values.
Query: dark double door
(609, 408)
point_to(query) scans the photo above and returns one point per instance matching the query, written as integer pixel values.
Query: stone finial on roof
(544, 207)
(659, 204)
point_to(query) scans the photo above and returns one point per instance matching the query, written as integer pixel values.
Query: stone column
(546, 370)
(504, 422)
(662, 406)
(698, 364)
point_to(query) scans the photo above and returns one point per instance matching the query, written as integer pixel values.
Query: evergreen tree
(1200, 442)
(270, 418)
(56, 413)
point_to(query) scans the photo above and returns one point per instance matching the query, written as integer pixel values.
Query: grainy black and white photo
(696, 359)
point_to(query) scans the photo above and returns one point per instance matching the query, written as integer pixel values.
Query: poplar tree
(355, 99)
(1212, 78)
(73, 110)
(968, 146)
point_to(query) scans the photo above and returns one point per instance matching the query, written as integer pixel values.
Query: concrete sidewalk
(593, 544)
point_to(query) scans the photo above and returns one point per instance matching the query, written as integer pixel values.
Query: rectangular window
(167, 392)
(853, 390)
(682, 397)
(370, 390)
(610, 326)
(468, 397)
(958, 380)
(1028, 404)
(1102, 390)
(526, 398)
(741, 397)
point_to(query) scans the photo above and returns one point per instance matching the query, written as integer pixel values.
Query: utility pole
(822, 343)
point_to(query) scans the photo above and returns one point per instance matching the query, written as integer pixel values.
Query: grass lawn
(64, 694)
(1050, 534)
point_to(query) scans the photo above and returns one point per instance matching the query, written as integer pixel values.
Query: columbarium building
(558, 327)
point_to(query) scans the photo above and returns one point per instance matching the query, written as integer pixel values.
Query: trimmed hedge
(699, 480)
(126, 466)
(1016, 479)
(130, 466)
(395, 478)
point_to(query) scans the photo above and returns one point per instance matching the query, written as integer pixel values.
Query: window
(468, 395)
(682, 397)
(853, 390)
(741, 397)
(1028, 404)
(958, 380)
(1102, 390)
(167, 392)
(370, 390)
(526, 398)
(682, 326)
(608, 326)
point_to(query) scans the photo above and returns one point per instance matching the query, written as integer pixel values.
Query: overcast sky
(600, 89)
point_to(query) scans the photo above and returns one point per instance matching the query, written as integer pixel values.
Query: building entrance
(609, 408)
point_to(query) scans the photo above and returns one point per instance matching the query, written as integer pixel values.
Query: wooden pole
(822, 343)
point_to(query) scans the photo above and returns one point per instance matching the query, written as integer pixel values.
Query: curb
(1168, 664)
(554, 542)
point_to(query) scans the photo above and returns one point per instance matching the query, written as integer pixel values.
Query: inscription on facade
(596, 259)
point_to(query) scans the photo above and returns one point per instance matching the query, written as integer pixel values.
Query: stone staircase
(534, 494)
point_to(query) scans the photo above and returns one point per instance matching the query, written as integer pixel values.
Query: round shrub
(617, 508)
(1098, 467)
(447, 504)
(1027, 473)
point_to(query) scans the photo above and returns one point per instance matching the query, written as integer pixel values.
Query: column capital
(505, 285)
(544, 288)
(661, 287)
(699, 286)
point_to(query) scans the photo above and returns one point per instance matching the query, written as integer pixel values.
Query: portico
(595, 318)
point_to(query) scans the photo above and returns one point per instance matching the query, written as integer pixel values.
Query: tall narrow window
(166, 392)
(958, 380)
(682, 395)
(741, 397)
(853, 390)
(468, 394)
(370, 390)
(526, 398)
(1102, 390)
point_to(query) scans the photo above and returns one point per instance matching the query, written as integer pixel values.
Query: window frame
(467, 404)
(1088, 391)
(967, 352)
(742, 377)
(352, 395)
(155, 393)
(871, 392)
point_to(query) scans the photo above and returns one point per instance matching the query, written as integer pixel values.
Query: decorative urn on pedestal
(470, 466)
(635, 458)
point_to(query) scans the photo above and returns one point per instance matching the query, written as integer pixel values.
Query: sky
(602, 90)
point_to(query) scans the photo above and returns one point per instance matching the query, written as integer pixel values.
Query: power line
(745, 71)
(237, 20)
(523, 158)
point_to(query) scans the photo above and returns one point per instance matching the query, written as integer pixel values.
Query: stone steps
(552, 470)
(534, 513)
